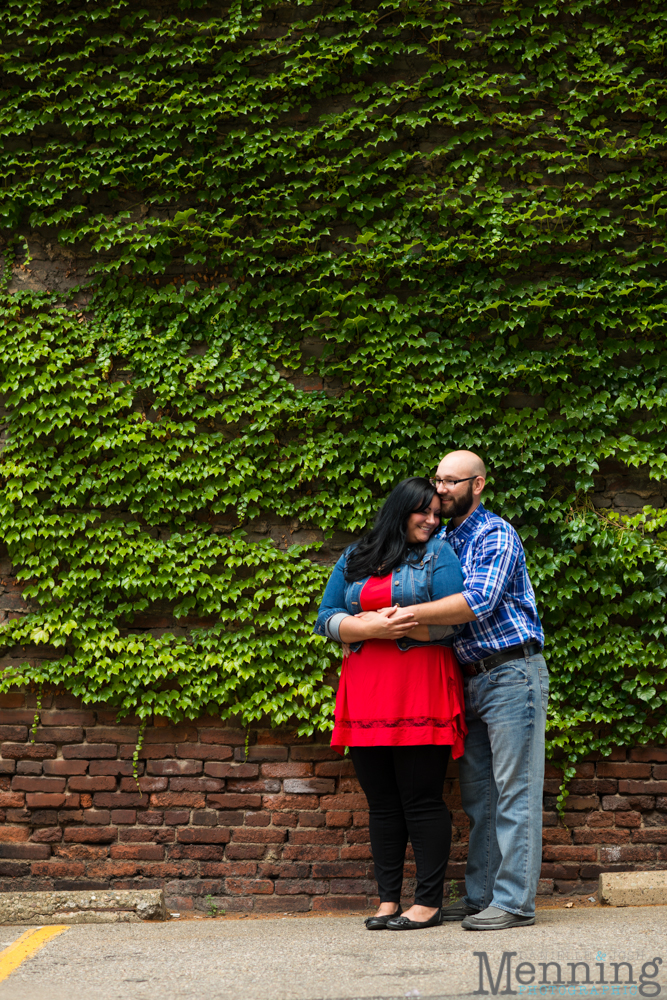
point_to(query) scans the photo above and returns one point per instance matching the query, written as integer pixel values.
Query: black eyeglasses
(435, 481)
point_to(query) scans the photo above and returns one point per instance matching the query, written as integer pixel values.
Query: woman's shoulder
(441, 548)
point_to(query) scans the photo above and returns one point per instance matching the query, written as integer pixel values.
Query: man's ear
(476, 488)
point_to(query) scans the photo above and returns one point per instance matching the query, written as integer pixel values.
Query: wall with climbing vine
(264, 260)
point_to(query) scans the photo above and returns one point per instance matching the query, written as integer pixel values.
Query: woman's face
(421, 525)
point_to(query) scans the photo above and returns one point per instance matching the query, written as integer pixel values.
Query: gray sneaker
(458, 911)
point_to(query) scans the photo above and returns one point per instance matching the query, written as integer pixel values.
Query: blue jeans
(501, 775)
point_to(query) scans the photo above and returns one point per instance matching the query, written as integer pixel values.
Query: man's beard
(458, 507)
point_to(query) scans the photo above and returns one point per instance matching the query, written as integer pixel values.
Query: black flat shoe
(396, 923)
(380, 923)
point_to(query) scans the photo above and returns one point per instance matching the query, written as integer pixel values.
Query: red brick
(61, 734)
(291, 802)
(196, 784)
(25, 852)
(316, 836)
(602, 835)
(288, 769)
(154, 751)
(329, 903)
(148, 784)
(226, 801)
(278, 869)
(623, 770)
(243, 851)
(660, 771)
(257, 819)
(171, 734)
(119, 800)
(100, 768)
(12, 800)
(43, 800)
(352, 886)
(242, 886)
(339, 819)
(7, 766)
(294, 886)
(97, 817)
(89, 751)
(649, 754)
(562, 852)
(282, 819)
(310, 853)
(197, 852)
(150, 818)
(196, 751)
(195, 800)
(28, 751)
(559, 871)
(556, 835)
(14, 869)
(47, 835)
(580, 802)
(19, 734)
(107, 869)
(65, 718)
(652, 835)
(91, 835)
(615, 802)
(18, 714)
(176, 767)
(86, 800)
(598, 819)
(88, 783)
(642, 787)
(626, 852)
(316, 752)
(632, 818)
(253, 787)
(112, 734)
(356, 851)
(177, 817)
(231, 770)
(203, 835)
(258, 836)
(66, 767)
(240, 869)
(334, 769)
(309, 786)
(258, 753)
(59, 869)
(282, 904)
(138, 835)
(137, 852)
(74, 852)
(233, 737)
(344, 803)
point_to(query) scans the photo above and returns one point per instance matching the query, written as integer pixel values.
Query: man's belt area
(511, 653)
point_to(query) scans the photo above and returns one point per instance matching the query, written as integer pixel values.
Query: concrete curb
(633, 888)
(94, 906)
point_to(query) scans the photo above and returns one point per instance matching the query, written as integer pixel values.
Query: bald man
(506, 690)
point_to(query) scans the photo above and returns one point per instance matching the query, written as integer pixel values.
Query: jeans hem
(515, 913)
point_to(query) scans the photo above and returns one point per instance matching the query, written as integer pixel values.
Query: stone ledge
(634, 888)
(95, 906)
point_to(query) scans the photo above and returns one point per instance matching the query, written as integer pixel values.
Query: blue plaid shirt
(495, 585)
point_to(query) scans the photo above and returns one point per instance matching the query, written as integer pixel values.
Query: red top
(389, 697)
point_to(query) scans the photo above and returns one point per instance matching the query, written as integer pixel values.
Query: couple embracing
(443, 651)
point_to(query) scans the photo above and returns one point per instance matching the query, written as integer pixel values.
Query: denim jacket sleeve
(333, 602)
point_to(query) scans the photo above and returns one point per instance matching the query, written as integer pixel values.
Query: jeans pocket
(544, 685)
(512, 672)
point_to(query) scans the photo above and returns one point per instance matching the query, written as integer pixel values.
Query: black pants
(403, 786)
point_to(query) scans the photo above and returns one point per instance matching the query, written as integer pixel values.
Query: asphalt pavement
(335, 958)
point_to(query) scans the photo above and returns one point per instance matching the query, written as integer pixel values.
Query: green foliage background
(390, 219)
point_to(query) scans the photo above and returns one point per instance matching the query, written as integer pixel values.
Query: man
(506, 691)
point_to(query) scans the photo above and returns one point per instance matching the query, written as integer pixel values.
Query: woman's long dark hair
(386, 546)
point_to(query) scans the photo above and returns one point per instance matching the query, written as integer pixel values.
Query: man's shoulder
(482, 522)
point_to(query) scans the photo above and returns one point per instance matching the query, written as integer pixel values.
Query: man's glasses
(435, 481)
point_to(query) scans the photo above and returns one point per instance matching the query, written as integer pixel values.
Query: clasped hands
(387, 623)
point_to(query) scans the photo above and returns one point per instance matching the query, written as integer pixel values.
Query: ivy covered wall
(261, 262)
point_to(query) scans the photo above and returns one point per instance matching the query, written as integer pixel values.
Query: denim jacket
(437, 574)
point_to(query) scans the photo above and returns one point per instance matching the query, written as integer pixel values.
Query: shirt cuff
(436, 632)
(477, 604)
(332, 626)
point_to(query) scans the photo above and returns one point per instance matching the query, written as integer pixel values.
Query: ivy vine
(317, 246)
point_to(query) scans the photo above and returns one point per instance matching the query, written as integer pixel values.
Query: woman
(400, 704)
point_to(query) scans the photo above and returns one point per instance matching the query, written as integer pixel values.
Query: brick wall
(283, 828)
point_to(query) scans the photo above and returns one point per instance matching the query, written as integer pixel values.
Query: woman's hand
(390, 623)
